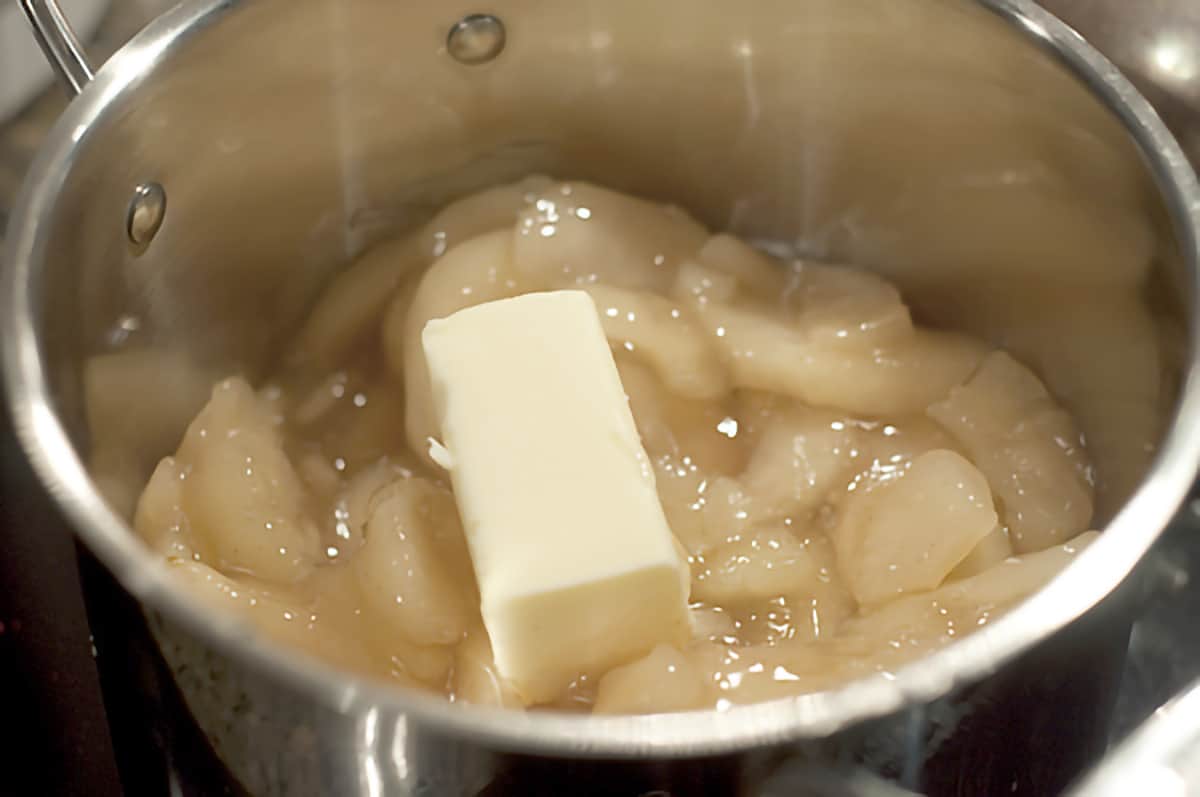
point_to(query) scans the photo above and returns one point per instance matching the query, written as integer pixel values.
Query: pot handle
(59, 43)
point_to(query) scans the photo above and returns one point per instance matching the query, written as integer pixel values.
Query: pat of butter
(577, 568)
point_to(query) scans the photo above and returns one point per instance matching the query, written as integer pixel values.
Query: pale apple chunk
(697, 283)
(812, 613)
(885, 452)
(753, 673)
(476, 271)
(160, 519)
(693, 432)
(845, 307)
(660, 332)
(761, 274)
(350, 308)
(286, 618)
(761, 563)
(319, 475)
(353, 504)
(432, 665)
(712, 622)
(908, 535)
(1027, 446)
(991, 551)
(1103, 361)
(681, 487)
(1017, 578)
(449, 540)
(727, 513)
(243, 499)
(577, 234)
(691, 457)
(663, 680)
(476, 679)
(648, 403)
(334, 593)
(882, 639)
(801, 456)
(475, 214)
(962, 606)
(703, 511)
(403, 582)
(764, 354)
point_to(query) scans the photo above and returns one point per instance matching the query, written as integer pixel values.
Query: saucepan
(208, 180)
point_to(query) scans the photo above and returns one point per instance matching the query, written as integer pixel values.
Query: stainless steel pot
(209, 178)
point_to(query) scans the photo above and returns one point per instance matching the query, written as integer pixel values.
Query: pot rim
(1085, 582)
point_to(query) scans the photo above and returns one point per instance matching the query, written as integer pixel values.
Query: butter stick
(578, 570)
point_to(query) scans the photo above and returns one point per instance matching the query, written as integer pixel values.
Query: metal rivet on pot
(145, 214)
(476, 39)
